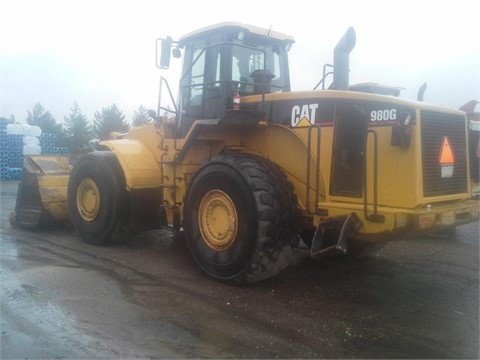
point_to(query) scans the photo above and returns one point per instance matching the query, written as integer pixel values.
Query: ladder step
(171, 207)
(170, 186)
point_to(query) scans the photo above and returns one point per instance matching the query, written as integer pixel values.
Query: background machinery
(472, 109)
(251, 170)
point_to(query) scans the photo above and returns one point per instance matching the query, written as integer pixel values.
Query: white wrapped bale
(32, 150)
(23, 129)
(31, 140)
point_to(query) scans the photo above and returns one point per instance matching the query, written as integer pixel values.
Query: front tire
(239, 218)
(97, 199)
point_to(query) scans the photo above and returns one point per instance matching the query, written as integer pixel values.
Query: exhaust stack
(340, 60)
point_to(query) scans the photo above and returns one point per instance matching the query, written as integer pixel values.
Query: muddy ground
(63, 299)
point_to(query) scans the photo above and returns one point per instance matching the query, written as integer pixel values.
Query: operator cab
(225, 59)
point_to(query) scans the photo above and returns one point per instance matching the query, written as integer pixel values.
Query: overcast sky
(98, 53)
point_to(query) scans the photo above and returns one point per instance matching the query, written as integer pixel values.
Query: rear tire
(97, 199)
(239, 218)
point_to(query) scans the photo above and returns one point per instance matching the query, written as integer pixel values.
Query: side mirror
(163, 52)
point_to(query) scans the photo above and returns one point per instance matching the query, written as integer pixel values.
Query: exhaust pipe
(340, 60)
(421, 92)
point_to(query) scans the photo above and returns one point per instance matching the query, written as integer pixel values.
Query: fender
(286, 147)
(139, 164)
(291, 151)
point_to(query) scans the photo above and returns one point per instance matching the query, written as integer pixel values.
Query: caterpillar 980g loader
(251, 170)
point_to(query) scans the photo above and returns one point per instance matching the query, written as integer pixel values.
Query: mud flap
(331, 236)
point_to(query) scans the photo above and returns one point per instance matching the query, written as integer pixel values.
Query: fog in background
(98, 53)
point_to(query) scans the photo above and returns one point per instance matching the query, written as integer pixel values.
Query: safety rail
(324, 77)
(166, 109)
(309, 170)
(375, 217)
(159, 106)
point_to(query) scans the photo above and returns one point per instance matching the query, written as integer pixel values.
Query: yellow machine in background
(472, 109)
(251, 170)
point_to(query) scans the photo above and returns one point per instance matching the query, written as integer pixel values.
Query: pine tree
(78, 131)
(45, 121)
(110, 120)
(141, 116)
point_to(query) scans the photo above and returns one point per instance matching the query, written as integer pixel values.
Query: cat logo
(303, 116)
(446, 159)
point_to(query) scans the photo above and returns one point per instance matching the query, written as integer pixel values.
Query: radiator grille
(435, 127)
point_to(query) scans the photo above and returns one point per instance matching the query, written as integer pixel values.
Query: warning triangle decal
(446, 154)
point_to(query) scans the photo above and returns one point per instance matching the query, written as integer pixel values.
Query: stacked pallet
(18, 140)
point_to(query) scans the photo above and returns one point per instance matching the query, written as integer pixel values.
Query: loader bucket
(42, 191)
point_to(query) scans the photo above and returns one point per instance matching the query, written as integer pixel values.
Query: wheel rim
(217, 219)
(88, 199)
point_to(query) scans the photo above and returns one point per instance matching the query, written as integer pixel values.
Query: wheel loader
(472, 109)
(251, 172)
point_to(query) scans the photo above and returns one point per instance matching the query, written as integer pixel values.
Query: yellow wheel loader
(472, 109)
(252, 171)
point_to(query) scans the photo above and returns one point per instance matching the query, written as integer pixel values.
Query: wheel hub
(88, 199)
(217, 219)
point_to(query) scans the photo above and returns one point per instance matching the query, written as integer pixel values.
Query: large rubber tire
(97, 199)
(239, 218)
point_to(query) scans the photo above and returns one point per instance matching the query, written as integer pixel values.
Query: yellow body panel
(139, 164)
(277, 143)
(283, 146)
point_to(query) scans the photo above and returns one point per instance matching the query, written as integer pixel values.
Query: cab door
(202, 92)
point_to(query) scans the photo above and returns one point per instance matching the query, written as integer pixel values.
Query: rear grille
(435, 127)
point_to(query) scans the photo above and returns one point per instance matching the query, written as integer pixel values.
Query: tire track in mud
(181, 303)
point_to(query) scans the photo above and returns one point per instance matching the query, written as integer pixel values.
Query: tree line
(77, 133)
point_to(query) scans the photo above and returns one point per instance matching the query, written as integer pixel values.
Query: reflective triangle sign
(446, 154)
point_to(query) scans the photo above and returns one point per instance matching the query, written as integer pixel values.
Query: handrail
(317, 170)
(159, 107)
(375, 217)
(325, 74)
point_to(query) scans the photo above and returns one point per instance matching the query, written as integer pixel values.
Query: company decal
(383, 115)
(446, 158)
(303, 115)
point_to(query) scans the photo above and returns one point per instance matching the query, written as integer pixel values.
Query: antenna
(269, 30)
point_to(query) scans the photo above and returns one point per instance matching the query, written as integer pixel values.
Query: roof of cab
(240, 26)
